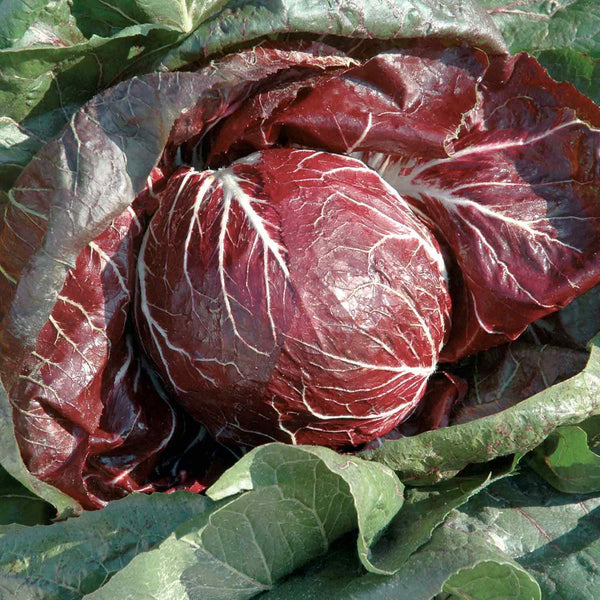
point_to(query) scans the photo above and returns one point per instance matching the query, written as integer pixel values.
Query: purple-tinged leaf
(502, 377)
(68, 246)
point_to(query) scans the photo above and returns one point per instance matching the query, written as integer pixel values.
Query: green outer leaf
(66, 560)
(41, 87)
(19, 505)
(179, 569)
(376, 492)
(247, 20)
(106, 18)
(555, 536)
(423, 510)
(17, 146)
(491, 580)
(564, 35)
(53, 25)
(47, 65)
(17, 17)
(592, 428)
(302, 499)
(80, 70)
(536, 25)
(450, 557)
(436, 455)
(577, 68)
(566, 461)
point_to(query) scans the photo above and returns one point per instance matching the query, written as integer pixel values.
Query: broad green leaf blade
(555, 536)
(491, 580)
(506, 375)
(180, 569)
(97, 17)
(566, 461)
(375, 492)
(17, 146)
(69, 559)
(17, 17)
(19, 142)
(301, 500)
(592, 428)
(449, 559)
(19, 505)
(536, 25)
(564, 35)
(50, 24)
(436, 455)
(423, 510)
(36, 80)
(246, 20)
(583, 72)
(41, 86)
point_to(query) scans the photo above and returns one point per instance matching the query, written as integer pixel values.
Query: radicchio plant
(345, 218)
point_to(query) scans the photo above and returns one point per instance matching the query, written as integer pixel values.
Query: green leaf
(19, 505)
(97, 17)
(50, 24)
(517, 520)
(536, 25)
(38, 22)
(66, 560)
(48, 66)
(376, 492)
(17, 17)
(449, 561)
(41, 87)
(301, 500)
(489, 580)
(564, 35)
(566, 461)
(245, 21)
(17, 146)
(19, 142)
(506, 375)
(591, 427)
(38, 79)
(440, 454)
(423, 510)
(583, 72)
(555, 536)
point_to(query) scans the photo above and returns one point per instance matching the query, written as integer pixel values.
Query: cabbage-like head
(292, 296)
